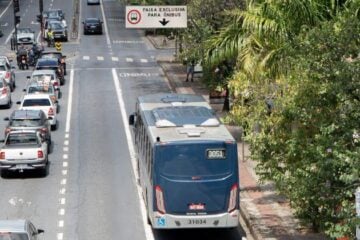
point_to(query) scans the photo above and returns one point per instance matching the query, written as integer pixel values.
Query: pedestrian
(190, 71)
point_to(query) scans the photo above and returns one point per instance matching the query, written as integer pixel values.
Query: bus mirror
(132, 119)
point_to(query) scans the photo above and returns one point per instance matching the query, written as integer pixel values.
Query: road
(91, 191)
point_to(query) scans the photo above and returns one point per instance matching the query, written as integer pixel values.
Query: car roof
(92, 19)
(36, 96)
(26, 114)
(43, 71)
(50, 52)
(18, 225)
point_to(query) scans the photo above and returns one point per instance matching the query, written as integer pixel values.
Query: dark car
(58, 28)
(29, 120)
(54, 13)
(93, 2)
(92, 25)
(55, 54)
(52, 64)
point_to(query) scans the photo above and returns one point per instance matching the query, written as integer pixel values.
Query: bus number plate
(215, 153)
(196, 221)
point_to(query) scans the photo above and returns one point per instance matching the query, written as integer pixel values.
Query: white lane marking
(66, 142)
(62, 191)
(60, 236)
(86, 57)
(66, 135)
(63, 181)
(62, 201)
(38, 37)
(65, 164)
(3, 12)
(5, 24)
(64, 172)
(69, 105)
(65, 156)
(143, 60)
(129, 59)
(115, 59)
(65, 149)
(61, 223)
(148, 232)
(62, 211)
(100, 58)
(10, 35)
(104, 22)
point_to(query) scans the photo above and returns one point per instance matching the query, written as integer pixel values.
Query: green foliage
(308, 145)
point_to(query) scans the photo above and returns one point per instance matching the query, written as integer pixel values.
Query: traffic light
(16, 6)
(17, 19)
(39, 18)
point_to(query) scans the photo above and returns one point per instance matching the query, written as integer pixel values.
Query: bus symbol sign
(133, 16)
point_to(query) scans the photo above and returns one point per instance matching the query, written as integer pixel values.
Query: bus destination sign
(156, 17)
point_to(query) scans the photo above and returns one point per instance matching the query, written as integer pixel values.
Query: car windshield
(13, 236)
(24, 30)
(51, 55)
(36, 102)
(55, 26)
(41, 89)
(43, 77)
(25, 122)
(1, 84)
(92, 21)
(53, 15)
(21, 138)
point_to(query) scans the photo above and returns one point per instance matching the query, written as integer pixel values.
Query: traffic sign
(156, 17)
(58, 46)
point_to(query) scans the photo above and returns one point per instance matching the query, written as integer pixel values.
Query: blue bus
(187, 163)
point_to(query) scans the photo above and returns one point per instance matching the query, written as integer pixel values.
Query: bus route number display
(215, 153)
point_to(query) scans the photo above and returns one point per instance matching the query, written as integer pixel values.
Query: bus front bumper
(169, 221)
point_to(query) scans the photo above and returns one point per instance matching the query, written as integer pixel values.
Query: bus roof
(178, 117)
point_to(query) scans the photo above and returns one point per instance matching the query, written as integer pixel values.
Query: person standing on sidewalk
(190, 71)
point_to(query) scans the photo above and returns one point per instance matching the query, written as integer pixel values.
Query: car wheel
(4, 173)
(8, 105)
(54, 127)
(45, 171)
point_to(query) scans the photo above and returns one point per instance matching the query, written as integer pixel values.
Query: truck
(24, 150)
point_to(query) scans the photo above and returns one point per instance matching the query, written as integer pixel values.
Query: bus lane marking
(147, 229)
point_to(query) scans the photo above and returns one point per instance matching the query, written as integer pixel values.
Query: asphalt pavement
(266, 213)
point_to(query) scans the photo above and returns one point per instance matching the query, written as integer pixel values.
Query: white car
(43, 75)
(7, 72)
(25, 36)
(24, 150)
(5, 94)
(41, 102)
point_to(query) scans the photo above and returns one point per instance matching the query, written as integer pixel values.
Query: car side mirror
(132, 119)
(28, 77)
(2, 140)
(6, 118)
(82, 22)
(18, 102)
(24, 90)
(40, 231)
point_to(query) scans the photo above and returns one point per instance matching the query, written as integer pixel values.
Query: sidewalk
(266, 214)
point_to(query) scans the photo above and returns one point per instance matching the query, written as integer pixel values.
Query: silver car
(7, 72)
(5, 94)
(18, 229)
(43, 87)
(25, 36)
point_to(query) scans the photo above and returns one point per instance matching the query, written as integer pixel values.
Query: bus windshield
(194, 160)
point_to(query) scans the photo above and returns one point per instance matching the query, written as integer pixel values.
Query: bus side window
(148, 156)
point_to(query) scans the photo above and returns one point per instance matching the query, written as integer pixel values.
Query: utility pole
(16, 7)
(40, 17)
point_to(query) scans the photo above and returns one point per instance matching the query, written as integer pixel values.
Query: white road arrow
(4, 24)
